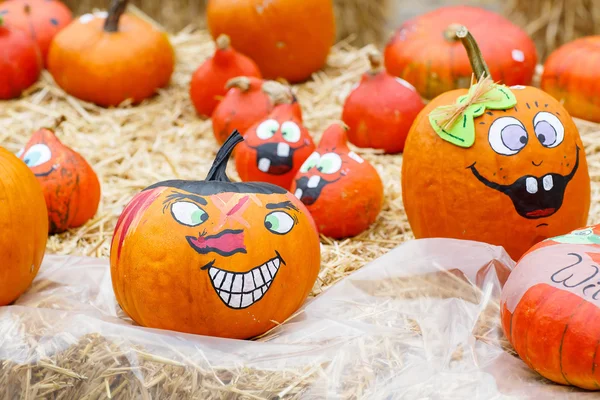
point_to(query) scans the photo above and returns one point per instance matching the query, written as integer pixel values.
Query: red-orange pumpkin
(550, 308)
(208, 83)
(23, 227)
(380, 111)
(41, 19)
(424, 50)
(70, 185)
(247, 101)
(572, 76)
(342, 191)
(20, 62)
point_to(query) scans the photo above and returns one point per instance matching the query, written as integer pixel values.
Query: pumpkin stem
(218, 170)
(334, 137)
(450, 33)
(279, 94)
(240, 82)
(59, 121)
(223, 42)
(117, 8)
(478, 64)
(376, 61)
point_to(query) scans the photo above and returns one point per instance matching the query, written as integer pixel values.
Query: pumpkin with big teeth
(214, 257)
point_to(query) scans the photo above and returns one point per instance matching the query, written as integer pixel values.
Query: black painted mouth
(269, 162)
(308, 195)
(41, 174)
(534, 197)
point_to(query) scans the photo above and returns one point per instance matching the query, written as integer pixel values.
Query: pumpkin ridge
(594, 364)
(532, 317)
(562, 339)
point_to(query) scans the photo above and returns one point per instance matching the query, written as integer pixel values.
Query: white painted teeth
(532, 185)
(283, 149)
(241, 290)
(298, 193)
(313, 181)
(548, 182)
(264, 164)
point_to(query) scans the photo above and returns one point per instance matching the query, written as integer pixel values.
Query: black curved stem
(478, 64)
(218, 170)
(117, 8)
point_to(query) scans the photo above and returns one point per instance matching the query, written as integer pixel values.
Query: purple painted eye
(507, 136)
(548, 129)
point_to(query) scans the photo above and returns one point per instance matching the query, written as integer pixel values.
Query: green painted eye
(330, 163)
(188, 213)
(290, 131)
(279, 222)
(267, 129)
(310, 162)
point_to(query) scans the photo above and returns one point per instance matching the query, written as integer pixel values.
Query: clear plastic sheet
(421, 322)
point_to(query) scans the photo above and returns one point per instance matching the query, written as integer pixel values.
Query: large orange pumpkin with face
(214, 257)
(550, 308)
(524, 179)
(23, 227)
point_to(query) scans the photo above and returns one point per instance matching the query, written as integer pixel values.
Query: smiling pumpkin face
(524, 179)
(214, 257)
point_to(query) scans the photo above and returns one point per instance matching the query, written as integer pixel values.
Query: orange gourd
(519, 175)
(41, 19)
(571, 76)
(23, 227)
(425, 52)
(209, 81)
(247, 101)
(108, 59)
(70, 185)
(342, 191)
(275, 147)
(20, 62)
(214, 257)
(550, 308)
(287, 39)
(381, 109)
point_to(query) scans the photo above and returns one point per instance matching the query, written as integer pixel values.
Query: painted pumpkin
(247, 101)
(288, 39)
(510, 169)
(275, 147)
(424, 50)
(20, 62)
(41, 19)
(110, 58)
(575, 84)
(70, 185)
(23, 227)
(208, 83)
(342, 191)
(380, 111)
(214, 257)
(550, 308)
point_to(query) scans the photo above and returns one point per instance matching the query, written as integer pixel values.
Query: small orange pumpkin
(110, 58)
(275, 147)
(214, 257)
(288, 39)
(550, 308)
(23, 227)
(342, 191)
(70, 185)
(20, 62)
(381, 109)
(495, 164)
(575, 83)
(247, 101)
(41, 19)
(208, 83)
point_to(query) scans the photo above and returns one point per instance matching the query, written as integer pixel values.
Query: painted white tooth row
(240, 290)
(532, 184)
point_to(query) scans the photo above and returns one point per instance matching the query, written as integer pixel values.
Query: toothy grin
(534, 197)
(308, 189)
(240, 290)
(275, 158)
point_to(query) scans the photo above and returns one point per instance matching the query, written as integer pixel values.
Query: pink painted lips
(225, 243)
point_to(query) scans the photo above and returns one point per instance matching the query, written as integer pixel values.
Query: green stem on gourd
(478, 64)
(117, 8)
(218, 170)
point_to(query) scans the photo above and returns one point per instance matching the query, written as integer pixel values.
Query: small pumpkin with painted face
(342, 191)
(70, 185)
(495, 164)
(214, 257)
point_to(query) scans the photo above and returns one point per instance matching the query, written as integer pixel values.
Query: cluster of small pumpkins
(493, 161)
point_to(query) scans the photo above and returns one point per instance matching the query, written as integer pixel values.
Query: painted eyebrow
(286, 205)
(185, 196)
